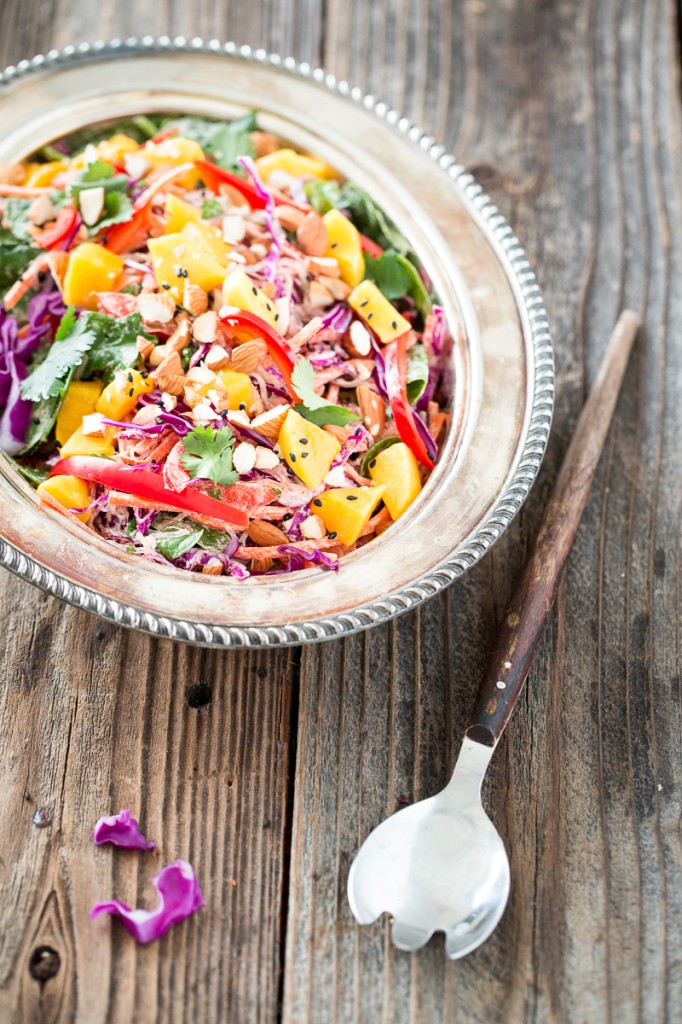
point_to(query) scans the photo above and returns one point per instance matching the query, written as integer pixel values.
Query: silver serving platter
(503, 358)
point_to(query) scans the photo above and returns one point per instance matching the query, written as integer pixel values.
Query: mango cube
(295, 164)
(397, 470)
(377, 312)
(239, 290)
(345, 246)
(115, 147)
(172, 152)
(90, 444)
(179, 213)
(173, 254)
(237, 387)
(91, 269)
(207, 238)
(117, 401)
(346, 511)
(40, 175)
(307, 449)
(69, 491)
(80, 400)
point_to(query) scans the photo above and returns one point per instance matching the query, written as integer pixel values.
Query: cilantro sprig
(208, 455)
(316, 409)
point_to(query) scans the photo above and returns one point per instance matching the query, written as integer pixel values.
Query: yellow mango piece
(237, 387)
(171, 253)
(40, 175)
(398, 470)
(346, 511)
(69, 491)
(239, 290)
(345, 246)
(116, 402)
(307, 449)
(90, 444)
(91, 269)
(178, 213)
(172, 152)
(114, 148)
(295, 164)
(207, 238)
(377, 312)
(80, 400)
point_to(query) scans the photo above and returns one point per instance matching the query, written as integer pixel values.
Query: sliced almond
(156, 308)
(283, 312)
(200, 375)
(340, 433)
(144, 346)
(261, 564)
(244, 457)
(41, 210)
(91, 204)
(311, 235)
(194, 299)
(180, 338)
(239, 417)
(233, 195)
(172, 384)
(247, 358)
(12, 174)
(203, 413)
(289, 217)
(265, 535)
(205, 328)
(168, 401)
(135, 164)
(269, 423)
(213, 567)
(170, 364)
(234, 229)
(339, 289)
(191, 394)
(266, 458)
(217, 358)
(146, 414)
(256, 407)
(319, 297)
(363, 368)
(157, 355)
(358, 340)
(325, 265)
(93, 425)
(373, 409)
(313, 528)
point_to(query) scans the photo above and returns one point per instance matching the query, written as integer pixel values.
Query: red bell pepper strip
(395, 361)
(128, 236)
(142, 483)
(167, 133)
(66, 221)
(374, 250)
(239, 320)
(213, 177)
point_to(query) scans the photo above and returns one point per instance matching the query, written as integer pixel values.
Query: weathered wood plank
(570, 116)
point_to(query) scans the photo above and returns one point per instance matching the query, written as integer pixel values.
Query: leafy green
(380, 446)
(222, 141)
(417, 373)
(43, 417)
(34, 475)
(211, 208)
(99, 175)
(208, 454)
(15, 257)
(16, 214)
(367, 216)
(212, 540)
(117, 210)
(109, 344)
(396, 276)
(140, 128)
(174, 544)
(316, 409)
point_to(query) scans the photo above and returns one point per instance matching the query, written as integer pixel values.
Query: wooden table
(267, 770)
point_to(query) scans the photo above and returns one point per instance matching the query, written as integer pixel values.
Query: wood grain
(569, 114)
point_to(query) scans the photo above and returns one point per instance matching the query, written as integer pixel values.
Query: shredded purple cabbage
(271, 222)
(179, 897)
(144, 520)
(379, 372)
(352, 444)
(438, 334)
(423, 432)
(431, 384)
(122, 830)
(199, 354)
(293, 527)
(338, 318)
(298, 558)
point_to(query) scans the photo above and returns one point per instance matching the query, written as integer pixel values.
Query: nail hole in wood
(199, 695)
(44, 963)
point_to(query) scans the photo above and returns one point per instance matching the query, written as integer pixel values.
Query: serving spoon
(440, 865)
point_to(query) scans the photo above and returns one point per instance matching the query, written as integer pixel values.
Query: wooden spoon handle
(532, 600)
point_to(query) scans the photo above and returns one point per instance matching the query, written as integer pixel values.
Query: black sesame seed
(332, 535)
(242, 406)
(254, 289)
(166, 286)
(370, 315)
(58, 444)
(316, 501)
(292, 456)
(104, 239)
(36, 419)
(333, 245)
(393, 324)
(308, 277)
(130, 377)
(304, 455)
(287, 515)
(131, 392)
(276, 317)
(268, 307)
(351, 497)
(303, 440)
(372, 463)
(362, 304)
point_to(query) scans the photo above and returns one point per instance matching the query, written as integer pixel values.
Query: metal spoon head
(438, 865)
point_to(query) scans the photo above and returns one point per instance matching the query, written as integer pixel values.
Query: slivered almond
(180, 337)
(319, 297)
(200, 375)
(213, 567)
(202, 413)
(372, 408)
(195, 299)
(265, 535)
(232, 194)
(311, 235)
(340, 433)
(358, 340)
(146, 414)
(144, 346)
(269, 423)
(244, 457)
(289, 217)
(91, 204)
(234, 229)
(157, 355)
(155, 308)
(192, 395)
(261, 564)
(205, 328)
(12, 174)
(339, 289)
(313, 528)
(217, 358)
(268, 288)
(325, 265)
(247, 358)
(307, 332)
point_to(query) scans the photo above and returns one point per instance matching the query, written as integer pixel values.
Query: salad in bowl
(215, 352)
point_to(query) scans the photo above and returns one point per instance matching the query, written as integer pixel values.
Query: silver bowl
(503, 358)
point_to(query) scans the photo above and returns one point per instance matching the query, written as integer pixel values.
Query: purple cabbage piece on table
(179, 897)
(122, 830)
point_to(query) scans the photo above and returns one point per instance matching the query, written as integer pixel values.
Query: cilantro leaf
(211, 208)
(222, 141)
(396, 276)
(99, 175)
(173, 544)
(417, 373)
(208, 454)
(15, 257)
(316, 409)
(48, 379)
(16, 214)
(114, 345)
(117, 210)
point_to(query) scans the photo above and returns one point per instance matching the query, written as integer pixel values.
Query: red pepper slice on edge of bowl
(142, 483)
(395, 361)
(241, 321)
